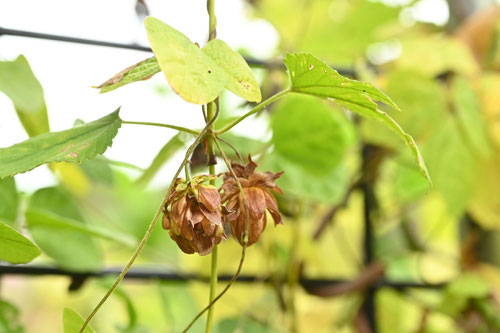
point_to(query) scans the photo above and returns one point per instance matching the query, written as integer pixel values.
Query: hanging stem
(151, 225)
(245, 238)
(178, 128)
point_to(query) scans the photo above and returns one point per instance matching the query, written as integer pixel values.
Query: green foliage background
(448, 93)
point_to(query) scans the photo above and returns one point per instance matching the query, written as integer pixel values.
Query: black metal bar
(30, 34)
(169, 275)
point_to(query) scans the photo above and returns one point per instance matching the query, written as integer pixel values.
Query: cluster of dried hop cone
(195, 213)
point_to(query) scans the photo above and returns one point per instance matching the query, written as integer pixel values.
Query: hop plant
(256, 186)
(192, 214)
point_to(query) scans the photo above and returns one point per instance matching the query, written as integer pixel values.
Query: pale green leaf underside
(72, 322)
(189, 71)
(141, 71)
(240, 79)
(309, 75)
(19, 83)
(14, 247)
(77, 144)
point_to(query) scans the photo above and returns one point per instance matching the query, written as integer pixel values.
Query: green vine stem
(212, 33)
(178, 128)
(151, 225)
(256, 109)
(245, 238)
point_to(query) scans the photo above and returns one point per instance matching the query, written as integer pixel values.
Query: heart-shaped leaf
(189, 71)
(77, 144)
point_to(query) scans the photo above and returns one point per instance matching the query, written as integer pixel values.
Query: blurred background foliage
(445, 77)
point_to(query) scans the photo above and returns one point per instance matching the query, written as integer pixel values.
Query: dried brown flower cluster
(256, 186)
(194, 215)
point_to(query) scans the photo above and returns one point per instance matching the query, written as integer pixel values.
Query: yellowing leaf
(240, 79)
(189, 71)
(141, 71)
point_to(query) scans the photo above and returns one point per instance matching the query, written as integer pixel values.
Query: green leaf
(311, 76)
(324, 187)
(468, 112)
(141, 71)
(9, 200)
(9, 318)
(240, 79)
(57, 226)
(14, 247)
(19, 83)
(311, 134)
(77, 144)
(189, 71)
(166, 152)
(72, 322)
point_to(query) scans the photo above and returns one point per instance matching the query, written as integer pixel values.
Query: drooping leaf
(73, 322)
(190, 72)
(19, 83)
(141, 71)
(9, 200)
(311, 76)
(311, 134)
(77, 144)
(14, 247)
(240, 79)
(53, 220)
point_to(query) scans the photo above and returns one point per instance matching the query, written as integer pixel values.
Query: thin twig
(177, 128)
(245, 237)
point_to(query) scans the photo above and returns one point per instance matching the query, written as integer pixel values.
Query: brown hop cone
(192, 214)
(256, 186)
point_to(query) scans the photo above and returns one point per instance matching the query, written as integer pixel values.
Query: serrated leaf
(9, 200)
(14, 247)
(75, 145)
(189, 71)
(309, 75)
(53, 221)
(19, 83)
(72, 322)
(240, 79)
(141, 71)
